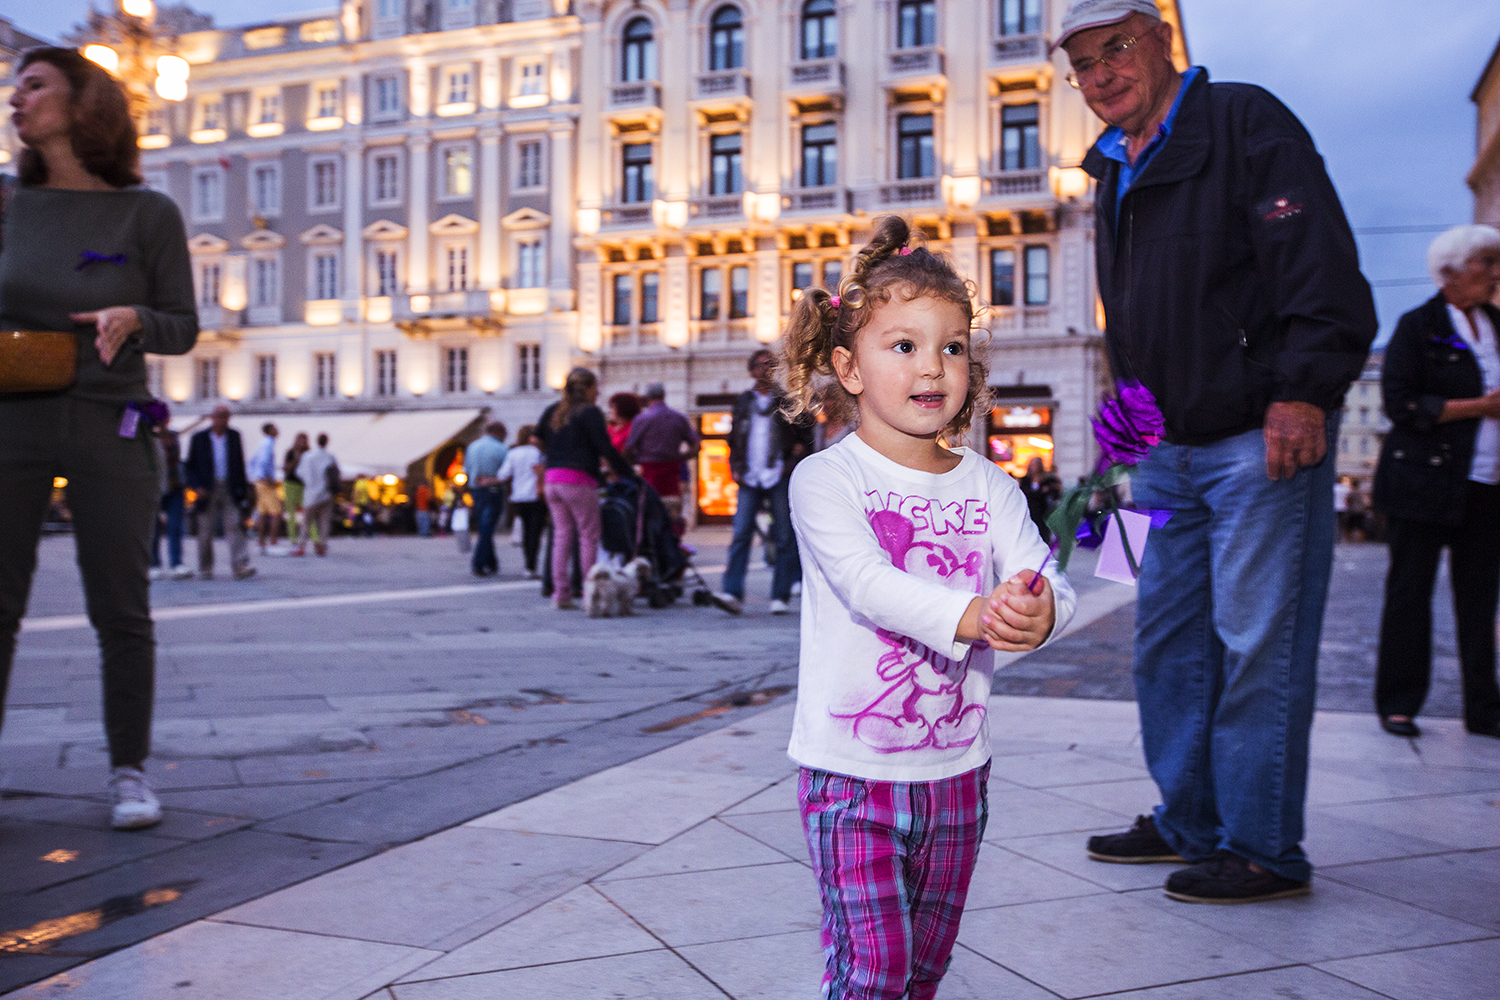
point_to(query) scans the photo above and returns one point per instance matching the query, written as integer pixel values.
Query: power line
(1394, 230)
(1398, 282)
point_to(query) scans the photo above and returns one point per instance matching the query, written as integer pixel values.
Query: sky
(1385, 96)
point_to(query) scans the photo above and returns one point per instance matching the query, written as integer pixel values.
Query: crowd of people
(917, 560)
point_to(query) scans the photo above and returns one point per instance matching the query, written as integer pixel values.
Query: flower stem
(1032, 586)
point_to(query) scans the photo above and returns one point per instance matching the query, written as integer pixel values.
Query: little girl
(902, 540)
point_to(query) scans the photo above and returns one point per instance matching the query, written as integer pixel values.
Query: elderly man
(215, 471)
(482, 460)
(660, 438)
(1232, 291)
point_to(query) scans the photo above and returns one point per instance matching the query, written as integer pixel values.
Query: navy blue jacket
(1231, 279)
(1423, 472)
(199, 467)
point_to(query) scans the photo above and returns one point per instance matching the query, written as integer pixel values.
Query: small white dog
(609, 592)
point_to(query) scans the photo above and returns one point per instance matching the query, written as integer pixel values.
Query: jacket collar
(1185, 151)
(1440, 322)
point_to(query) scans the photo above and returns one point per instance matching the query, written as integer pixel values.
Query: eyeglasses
(1113, 55)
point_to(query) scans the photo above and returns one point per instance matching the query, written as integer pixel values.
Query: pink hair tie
(905, 251)
(834, 301)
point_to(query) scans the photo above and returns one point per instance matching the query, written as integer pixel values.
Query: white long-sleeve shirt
(891, 558)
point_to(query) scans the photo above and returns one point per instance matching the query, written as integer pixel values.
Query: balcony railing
(914, 63)
(912, 192)
(472, 302)
(1018, 48)
(628, 217)
(731, 85)
(1021, 318)
(624, 338)
(723, 331)
(719, 206)
(1015, 183)
(639, 96)
(817, 199)
(815, 76)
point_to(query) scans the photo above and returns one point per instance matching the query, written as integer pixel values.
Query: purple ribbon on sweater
(87, 257)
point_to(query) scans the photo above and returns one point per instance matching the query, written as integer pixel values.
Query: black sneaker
(1140, 845)
(1227, 878)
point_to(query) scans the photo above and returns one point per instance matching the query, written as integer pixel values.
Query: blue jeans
(489, 502)
(1228, 620)
(172, 506)
(751, 499)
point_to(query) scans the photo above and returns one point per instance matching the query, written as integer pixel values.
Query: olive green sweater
(46, 274)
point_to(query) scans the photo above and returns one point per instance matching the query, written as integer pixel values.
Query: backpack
(333, 478)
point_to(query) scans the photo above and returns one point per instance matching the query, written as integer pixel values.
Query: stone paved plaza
(386, 780)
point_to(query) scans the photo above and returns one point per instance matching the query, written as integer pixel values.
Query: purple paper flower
(1128, 426)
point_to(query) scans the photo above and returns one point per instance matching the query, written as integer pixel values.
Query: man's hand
(1296, 437)
(114, 325)
(1014, 619)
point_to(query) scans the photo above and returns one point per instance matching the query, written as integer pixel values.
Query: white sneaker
(135, 804)
(728, 602)
(780, 607)
(797, 589)
(182, 572)
(156, 573)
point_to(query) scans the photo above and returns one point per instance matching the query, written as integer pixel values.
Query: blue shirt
(483, 457)
(1112, 143)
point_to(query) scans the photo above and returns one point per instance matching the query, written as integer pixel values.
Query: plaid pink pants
(893, 861)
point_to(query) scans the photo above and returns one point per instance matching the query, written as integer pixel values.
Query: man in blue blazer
(215, 471)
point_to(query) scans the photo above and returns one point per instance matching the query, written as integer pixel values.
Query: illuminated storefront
(717, 491)
(1019, 430)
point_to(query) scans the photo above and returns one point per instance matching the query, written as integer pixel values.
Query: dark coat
(1231, 279)
(1423, 472)
(581, 443)
(785, 436)
(199, 467)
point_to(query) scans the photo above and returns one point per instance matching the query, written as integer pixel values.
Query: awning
(365, 443)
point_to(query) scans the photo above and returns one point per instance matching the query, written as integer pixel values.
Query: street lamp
(130, 48)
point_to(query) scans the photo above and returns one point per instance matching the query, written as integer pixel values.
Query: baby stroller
(634, 522)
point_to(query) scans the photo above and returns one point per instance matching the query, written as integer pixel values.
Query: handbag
(34, 360)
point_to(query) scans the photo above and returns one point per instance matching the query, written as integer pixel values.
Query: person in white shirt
(1438, 482)
(262, 472)
(319, 472)
(520, 470)
(919, 561)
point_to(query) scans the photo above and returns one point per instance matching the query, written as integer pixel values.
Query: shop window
(1019, 432)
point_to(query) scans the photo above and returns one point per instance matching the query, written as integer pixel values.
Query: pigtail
(807, 355)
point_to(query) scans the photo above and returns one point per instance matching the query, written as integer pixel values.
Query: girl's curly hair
(887, 267)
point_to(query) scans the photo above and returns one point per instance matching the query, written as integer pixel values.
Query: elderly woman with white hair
(1438, 482)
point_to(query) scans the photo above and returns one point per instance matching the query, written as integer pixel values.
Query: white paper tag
(1112, 562)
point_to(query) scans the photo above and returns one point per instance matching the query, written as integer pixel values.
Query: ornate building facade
(404, 213)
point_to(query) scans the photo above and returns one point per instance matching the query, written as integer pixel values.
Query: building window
(325, 184)
(385, 373)
(529, 164)
(820, 154)
(914, 146)
(621, 304)
(263, 287)
(387, 95)
(833, 270)
(325, 368)
(456, 369)
(208, 378)
(636, 184)
(386, 282)
(208, 284)
(650, 284)
(710, 283)
(326, 275)
(211, 113)
(265, 189)
(529, 367)
(533, 73)
(638, 57)
(265, 376)
(268, 109)
(1038, 276)
(802, 278)
(208, 194)
(726, 38)
(1002, 277)
(916, 23)
(739, 292)
(386, 186)
(529, 273)
(157, 122)
(724, 164)
(458, 172)
(1020, 17)
(1020, 148)
(819, 29)
(327, 100)
(458, 268)
(457, 86)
